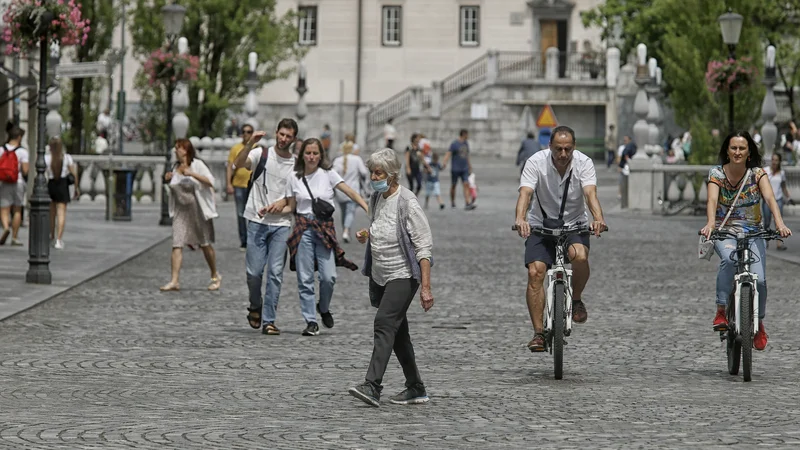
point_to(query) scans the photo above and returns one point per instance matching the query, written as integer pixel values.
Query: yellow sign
(547, 119)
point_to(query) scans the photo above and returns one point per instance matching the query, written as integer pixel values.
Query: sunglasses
(247, 131)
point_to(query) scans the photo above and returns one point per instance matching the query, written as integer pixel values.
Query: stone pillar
(436, 100)
(612, 74)
(653, 111)
(551, 64)
(769, 108)
(361, 124)
(640, 180)
(180, 99)
(53, 119)
(415, 108)
(251, 103)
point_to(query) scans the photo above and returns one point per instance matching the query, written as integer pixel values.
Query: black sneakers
(311, 330)
(414, 395)
(366, 393)
(327, 318)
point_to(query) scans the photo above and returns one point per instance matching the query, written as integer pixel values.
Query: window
(392, 26)
(307, 25)
(470, 26)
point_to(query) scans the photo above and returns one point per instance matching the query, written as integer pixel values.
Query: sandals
(536, 345)
(170, 287)
(271, 329)
(254, 318)
(215, 283)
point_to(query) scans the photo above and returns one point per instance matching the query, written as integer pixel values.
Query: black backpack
(260, 167)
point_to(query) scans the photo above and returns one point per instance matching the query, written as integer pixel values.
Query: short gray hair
(386, 160)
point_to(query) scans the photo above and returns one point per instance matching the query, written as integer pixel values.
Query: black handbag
(70, 179)
(549, 222)
(321, 209)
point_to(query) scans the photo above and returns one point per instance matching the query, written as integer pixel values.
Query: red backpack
(9, 166)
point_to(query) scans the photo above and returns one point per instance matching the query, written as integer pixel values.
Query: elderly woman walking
(312, 245)
(352, 169)
(192, 208)
(398, 260)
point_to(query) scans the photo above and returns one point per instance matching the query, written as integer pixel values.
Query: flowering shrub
(25, 28)
(730, 75)
(170, 67)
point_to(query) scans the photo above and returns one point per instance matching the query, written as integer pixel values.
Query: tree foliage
(222, 33)
(103, 15)
(684, 35)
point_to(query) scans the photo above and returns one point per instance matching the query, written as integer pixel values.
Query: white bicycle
(742, 308)
(558, 293)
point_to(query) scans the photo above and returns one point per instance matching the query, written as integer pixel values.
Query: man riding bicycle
(552, 173)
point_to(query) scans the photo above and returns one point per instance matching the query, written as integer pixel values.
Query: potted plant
(164, 68)
(28, 22)
(730, 75)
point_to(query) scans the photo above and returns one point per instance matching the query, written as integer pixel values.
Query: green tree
(103, 16)
(684, 35)
(221, 33)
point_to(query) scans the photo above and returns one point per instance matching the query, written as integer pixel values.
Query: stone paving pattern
(115, 363)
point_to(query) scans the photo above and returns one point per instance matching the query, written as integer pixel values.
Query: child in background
(432, 170)
(473, 187)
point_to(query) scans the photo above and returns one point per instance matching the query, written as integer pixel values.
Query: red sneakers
(720, 321)
(761, 337)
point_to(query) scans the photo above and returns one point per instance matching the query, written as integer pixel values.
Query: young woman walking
(59, 168)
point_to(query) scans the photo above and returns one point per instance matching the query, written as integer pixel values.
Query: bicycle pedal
(567, 332)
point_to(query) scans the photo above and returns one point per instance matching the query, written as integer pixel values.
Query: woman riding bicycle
(739, 157)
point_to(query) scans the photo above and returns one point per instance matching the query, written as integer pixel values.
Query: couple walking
(282, 184)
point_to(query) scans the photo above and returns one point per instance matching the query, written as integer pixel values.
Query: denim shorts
(432, 188)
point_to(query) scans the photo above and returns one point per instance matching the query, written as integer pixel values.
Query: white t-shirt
(775, 180)
(269, 191)
(356, 171)
(22, 157)
(541, 175)
(322, 183)
(65, 163)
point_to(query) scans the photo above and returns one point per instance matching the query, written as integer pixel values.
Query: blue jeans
(348, 210)
(240, 195)
(766, 214)
(267, 247)
(727, 270)
(312, 250)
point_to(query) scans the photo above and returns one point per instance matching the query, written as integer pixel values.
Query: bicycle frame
(558, 273)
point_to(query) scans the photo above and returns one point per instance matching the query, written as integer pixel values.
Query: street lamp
(731, 25)
(38, 238)
(302, 109)
(173, 22)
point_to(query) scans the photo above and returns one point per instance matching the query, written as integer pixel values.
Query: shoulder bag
(549, 222)
(321, 209)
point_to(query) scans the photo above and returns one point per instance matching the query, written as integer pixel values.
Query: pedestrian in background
(12, 192)
(611, 146)
(777, 179)
(192, 209)
(237, 180)
(527, 149)
(389, 133)
(397, 261)
(353, 171)
(461, 168)
(432, 185)
(313, 245)
(413, 160)
(325, 138)
(61, 173)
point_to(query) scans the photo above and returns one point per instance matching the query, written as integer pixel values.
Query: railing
(464, 78)
(394, 106)
(527, 66)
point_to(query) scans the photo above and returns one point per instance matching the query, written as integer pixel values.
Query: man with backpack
(13, 170)
(267, 234)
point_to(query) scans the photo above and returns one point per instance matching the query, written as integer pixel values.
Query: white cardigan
(204, 193)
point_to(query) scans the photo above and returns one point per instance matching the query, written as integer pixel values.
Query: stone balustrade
(661, 188)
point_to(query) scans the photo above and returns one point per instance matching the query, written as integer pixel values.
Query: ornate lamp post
(38, 239)
(302, 109)
(731, 25)
(173, 22)
(769, 109)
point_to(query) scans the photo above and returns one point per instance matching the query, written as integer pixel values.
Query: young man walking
(237, 181)
(461, 168)
(267, 234)
(12, 193)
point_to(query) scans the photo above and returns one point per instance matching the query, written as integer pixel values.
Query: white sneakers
(59, 244)
(346, 237)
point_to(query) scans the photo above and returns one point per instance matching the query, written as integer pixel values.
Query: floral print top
(746, 215)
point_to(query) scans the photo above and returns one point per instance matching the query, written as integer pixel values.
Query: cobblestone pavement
(115, 363)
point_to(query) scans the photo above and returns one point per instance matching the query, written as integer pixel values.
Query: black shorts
(58, 190)
(462, 175)
(543, 250)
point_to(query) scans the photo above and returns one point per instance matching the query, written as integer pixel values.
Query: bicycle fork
(555, 276)
(740, 280)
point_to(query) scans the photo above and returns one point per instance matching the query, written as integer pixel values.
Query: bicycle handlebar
(583, 231)
(768, 235)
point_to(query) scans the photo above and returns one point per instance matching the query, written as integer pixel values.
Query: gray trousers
(391, 330)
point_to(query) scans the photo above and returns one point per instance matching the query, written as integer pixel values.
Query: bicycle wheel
(746, 331)
(558, 329)
(734, 346)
